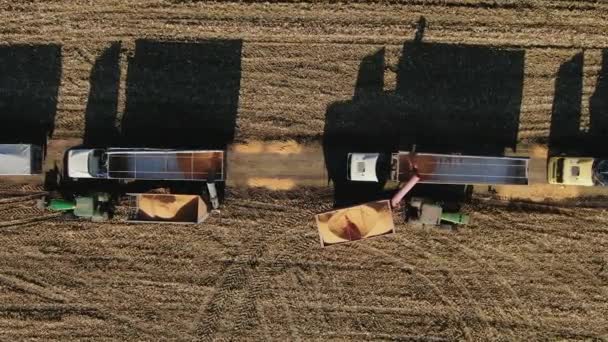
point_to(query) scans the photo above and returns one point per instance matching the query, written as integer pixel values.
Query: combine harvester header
(438, 168)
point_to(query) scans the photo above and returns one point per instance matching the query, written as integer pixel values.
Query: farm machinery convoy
(409, 168)
(85, 169)
(91, 177)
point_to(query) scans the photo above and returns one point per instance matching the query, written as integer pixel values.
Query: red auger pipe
(398, 197)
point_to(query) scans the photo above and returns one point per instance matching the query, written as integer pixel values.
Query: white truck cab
(362, 167)
(571, 171)
(86, 163)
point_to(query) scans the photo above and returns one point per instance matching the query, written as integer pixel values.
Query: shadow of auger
(102, 105)
(598, 111)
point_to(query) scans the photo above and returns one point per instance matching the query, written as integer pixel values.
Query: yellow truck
(583, 171)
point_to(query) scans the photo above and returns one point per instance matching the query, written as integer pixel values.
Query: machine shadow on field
(30, 76)
(100, 129)
(102, 105)
(448, 99)
(182, 94)
(566, 136)
(564, 133)
(363, 124)
(598, 110)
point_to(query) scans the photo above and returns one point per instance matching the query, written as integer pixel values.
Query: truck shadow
(182, 94)
(100, 129)
(564, 133)
(566, 136)
(178, 95)
(362, 124)
(598, 111)
(448, 99)
(102, 105)
(30, 76)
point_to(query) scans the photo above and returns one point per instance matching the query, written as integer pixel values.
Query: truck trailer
(437, 168)
(146, 164)
(20, 159)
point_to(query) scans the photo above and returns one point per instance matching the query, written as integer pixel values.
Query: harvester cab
(96, 206)
(424, 212)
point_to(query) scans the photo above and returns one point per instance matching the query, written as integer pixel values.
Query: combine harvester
(127, 164)
(376, 218)
(438, 168)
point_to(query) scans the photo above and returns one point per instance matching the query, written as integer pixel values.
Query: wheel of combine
(41, 204)
(447, 226)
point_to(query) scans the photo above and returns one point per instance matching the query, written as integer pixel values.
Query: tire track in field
(497, 275)
(454, 310)
(21, 284)
(245, 276)
(241, 277)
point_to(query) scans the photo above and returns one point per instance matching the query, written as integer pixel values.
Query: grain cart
(437, 168)
(167, 208)
(362, 221)
(355, 223)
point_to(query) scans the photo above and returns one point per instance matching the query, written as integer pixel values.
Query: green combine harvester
(95, 207)
(428, 213)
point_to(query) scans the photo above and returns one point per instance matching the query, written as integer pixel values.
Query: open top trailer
(167, 208)
(147, 164)
(360, 222)
(165, 165)
(20, 159)
(438, 168)
(458, 169)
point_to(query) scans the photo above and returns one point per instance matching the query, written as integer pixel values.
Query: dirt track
(309, 72)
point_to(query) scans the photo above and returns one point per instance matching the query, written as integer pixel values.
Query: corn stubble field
(140, 72)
